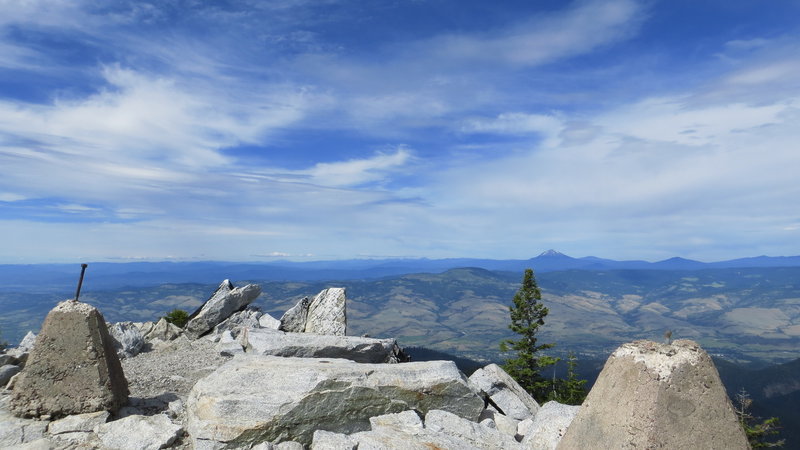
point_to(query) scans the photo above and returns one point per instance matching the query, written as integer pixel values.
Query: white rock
(504, 391)
(327, 314)
(327, 440)
(27, 342)
(128, 340)
(406, 421)
(477, 435)
(266, 398)
(163, 331)
(503, 423)
(549, 426)
(16, 431)
(289, 445)
(78, 422)
(267, 321)
(387, 438)
(139, 433)
(524, 428)
(228, 346)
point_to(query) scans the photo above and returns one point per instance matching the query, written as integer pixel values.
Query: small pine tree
(758, 433)
(177, 317)
(527, 314)
(570, 390)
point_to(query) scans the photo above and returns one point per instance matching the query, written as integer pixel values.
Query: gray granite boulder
(72, 369)
(139, 433)
(78, 423)
(254, 399)
(652, 395)
(549, 426)
(265, 341)
(267, 321)
(6, 372)
(511, 399)
(294, 320)
(163, 331)
(327, 314)
(128, 339)
(327, 440)
(238, 321)
(475, 434)
(225, 301)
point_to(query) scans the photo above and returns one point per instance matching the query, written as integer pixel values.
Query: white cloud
(548, 126)
(357, 171)
(11, 197)
(578, 30)
(673, 120)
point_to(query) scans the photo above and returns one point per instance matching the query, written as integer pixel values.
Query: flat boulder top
(74, 306)
(662, 359)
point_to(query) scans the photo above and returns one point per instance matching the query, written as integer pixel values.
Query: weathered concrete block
(652, 395)
(73, 367)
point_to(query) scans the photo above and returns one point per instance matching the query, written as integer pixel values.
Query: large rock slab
(511, 398)
(652, 395)
(264, 341)
(225, 301)
(254, 399)
(549, 426)
(72, 369)
(15, 431)
(327, 314)
(139, 433)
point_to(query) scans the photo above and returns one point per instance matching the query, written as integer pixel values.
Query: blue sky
(261, 130)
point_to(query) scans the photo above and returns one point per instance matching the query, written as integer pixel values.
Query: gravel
(171, 368)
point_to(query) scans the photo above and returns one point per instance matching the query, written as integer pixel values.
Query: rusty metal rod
(80, 281)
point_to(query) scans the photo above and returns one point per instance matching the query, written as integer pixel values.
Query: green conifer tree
(570, 390)
(527, 314)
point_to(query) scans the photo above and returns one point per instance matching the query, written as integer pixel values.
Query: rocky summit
(240, 379)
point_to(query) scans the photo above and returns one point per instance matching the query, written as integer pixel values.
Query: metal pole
(80, 281)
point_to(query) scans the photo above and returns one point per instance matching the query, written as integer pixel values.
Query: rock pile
(237, 378)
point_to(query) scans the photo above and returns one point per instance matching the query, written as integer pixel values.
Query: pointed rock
(73, 368)
(652, 395)
(327, 313)
(294, 320)
(225, 301)
(513, 401)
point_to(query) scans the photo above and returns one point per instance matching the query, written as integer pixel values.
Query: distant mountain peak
(551, 253)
